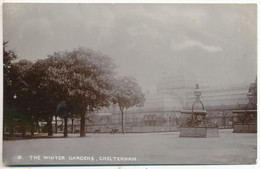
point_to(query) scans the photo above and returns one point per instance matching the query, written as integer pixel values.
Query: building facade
(161, 111)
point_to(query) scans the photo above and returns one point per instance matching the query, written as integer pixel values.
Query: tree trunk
(49, 125)
(38, 128)
(122, 120)
(5, 128)
(23, 131)
(56, 125)
(65, 127)
(82, 123)
(72, 125)
(62, 126)
(11, 128)
(32, 128)
(23, 128)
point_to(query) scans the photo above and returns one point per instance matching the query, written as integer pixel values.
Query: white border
(130, 1)
(133, 1)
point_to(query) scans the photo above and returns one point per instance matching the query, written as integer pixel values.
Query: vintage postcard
(129, 84)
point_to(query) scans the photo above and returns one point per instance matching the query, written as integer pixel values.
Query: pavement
(132, 149)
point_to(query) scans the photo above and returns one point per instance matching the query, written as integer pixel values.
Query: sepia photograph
(110, 84)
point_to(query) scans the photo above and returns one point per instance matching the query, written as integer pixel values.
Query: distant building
(229, 96)
(179, 87)
(161, 111)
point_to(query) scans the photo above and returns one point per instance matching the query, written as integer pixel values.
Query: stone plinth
(198, 132)
(195, 124)
(245, 121)
(245, 128)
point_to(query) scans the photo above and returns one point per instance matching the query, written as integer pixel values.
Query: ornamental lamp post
(250, 96)
(246, 121)
(197, 125)
(197, 93)
(11, 124)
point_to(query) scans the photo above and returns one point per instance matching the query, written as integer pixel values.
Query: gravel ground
(133, 148)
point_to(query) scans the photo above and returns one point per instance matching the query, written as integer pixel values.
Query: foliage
(127, 93)
(14, 87)
(67, 84)
(82, 75)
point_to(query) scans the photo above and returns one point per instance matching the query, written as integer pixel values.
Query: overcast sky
(147, 41)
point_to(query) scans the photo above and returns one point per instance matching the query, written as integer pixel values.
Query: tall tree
(23, 93)
(43, 93)
(127, 93)
(8, 57)
(15, 89)
(84, 76)
(63, 111)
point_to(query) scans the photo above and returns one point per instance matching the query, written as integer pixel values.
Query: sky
(147, 41)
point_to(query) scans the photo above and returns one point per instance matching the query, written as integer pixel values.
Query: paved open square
(133, 148)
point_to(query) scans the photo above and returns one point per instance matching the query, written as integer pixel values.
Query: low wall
(147, 129)
(135, 129)
(198, 132)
